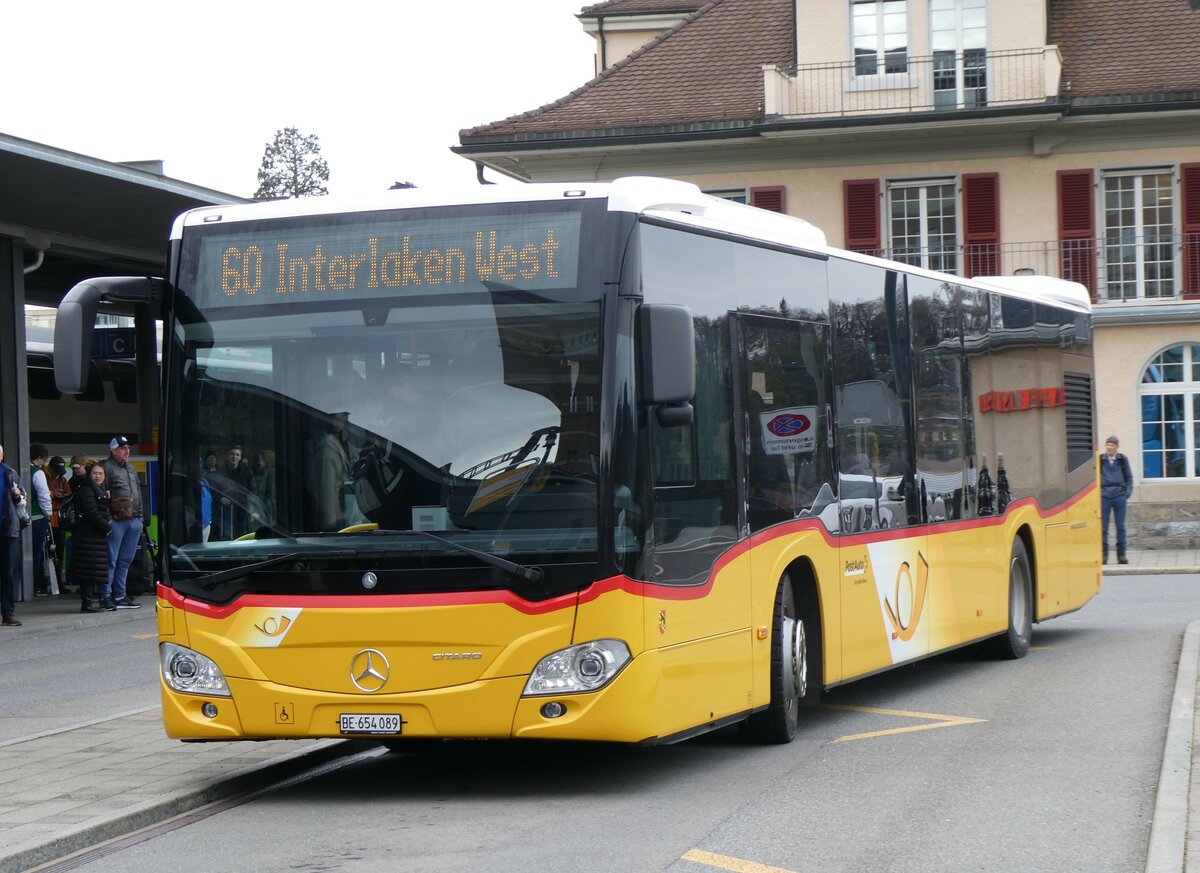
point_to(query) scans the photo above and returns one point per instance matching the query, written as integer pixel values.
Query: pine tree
(292, 166)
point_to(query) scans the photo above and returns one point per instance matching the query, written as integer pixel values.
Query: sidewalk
(70, 789)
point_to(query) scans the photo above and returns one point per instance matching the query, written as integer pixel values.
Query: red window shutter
(862, 215)
(1190, 177)
(771, 198)
(981, 223)
(1077, 228)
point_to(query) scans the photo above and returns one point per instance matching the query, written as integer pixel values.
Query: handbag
(121, 508)
(23, 515)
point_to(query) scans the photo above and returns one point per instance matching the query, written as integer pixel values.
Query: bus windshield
(305, 429)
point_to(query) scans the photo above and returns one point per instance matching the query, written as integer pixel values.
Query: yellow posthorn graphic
(903, 628)
(274, 627)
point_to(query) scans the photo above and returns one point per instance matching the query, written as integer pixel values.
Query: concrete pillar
(14, 396)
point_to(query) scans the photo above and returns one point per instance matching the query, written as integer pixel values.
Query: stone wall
(1162, 525)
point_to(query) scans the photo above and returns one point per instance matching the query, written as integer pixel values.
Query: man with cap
(1116, 484)
(125, 506)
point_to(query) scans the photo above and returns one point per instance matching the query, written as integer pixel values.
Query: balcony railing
(1114, 270)
(899, 84)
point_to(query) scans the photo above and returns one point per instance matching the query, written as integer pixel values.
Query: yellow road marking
(937, 721)
(724, 862)
(142, 636)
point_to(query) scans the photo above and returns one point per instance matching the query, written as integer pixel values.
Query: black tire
(794, 682)
(1014, 643)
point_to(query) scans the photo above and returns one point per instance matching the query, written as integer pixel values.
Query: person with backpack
(60, 492)
(1116, 484)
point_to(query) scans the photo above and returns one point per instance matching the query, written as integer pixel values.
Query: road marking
(937, 721)
(142, 636)
(724, 862)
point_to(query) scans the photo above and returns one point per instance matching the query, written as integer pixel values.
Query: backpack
(68, 514)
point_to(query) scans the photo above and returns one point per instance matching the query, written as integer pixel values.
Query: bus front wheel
(1014, 643)
(793, 683)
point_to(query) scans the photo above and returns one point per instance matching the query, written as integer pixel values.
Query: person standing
(10, 530)
(40, 512)
(60, 490)
(333, 471)
(89, 542)
(236, 504)
(1116, 485)
(125, 508)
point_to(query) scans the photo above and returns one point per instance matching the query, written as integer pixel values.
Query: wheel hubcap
(797, 662)
(1020, 608)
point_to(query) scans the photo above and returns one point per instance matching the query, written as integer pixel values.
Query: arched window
(1170, 395)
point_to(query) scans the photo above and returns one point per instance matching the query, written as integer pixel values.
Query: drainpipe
(603, 45)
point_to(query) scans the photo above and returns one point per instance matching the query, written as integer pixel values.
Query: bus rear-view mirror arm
(667, 340)
(77, 318)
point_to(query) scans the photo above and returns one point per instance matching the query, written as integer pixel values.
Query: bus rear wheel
(793, 683)
(1014, 643)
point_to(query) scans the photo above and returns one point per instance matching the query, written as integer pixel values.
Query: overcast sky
(386, 87)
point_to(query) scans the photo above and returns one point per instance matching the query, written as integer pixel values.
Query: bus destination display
(382, 258)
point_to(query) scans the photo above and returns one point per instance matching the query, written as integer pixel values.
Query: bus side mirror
(76, 321)
(668, 357)
(73, 337)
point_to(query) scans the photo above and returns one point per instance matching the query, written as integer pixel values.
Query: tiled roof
(1117, 48)
(704, 70)
(640, 7)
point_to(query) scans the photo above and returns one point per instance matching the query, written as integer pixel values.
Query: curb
(1128, 570)
(243, 781)
(69, 623)
(1168, 829)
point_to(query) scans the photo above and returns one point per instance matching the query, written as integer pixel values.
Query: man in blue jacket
(1116, 484)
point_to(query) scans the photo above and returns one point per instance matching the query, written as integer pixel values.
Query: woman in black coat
(89, 541)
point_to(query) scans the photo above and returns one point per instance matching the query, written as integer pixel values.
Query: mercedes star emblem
(369, 670)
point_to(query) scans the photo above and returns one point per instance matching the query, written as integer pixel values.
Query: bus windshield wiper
(212, 580)
(531, 574)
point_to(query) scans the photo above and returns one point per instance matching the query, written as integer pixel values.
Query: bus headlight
(585, 667)
(190, 672)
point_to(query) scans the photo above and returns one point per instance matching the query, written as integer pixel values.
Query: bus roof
(671, 199)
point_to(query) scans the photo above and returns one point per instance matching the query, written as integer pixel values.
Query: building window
(923, 224)
(1170, 395)
(1139, 235)
(737, 195)
(959, 38)
(880, 29)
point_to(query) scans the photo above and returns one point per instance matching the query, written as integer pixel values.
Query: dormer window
(880, 29)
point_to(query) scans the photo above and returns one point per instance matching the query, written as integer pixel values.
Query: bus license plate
(361, 723)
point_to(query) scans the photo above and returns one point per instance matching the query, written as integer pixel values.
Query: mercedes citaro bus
(615, 461)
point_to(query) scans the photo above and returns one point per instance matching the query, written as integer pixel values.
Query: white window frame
(892, 185)
(1176, 235)
(1189, 389)
(959, 56)
(881, 78)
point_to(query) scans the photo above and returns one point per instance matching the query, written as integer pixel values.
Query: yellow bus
(618, 462)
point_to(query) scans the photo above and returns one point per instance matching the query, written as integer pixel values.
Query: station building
(979, 137)
(66, 217)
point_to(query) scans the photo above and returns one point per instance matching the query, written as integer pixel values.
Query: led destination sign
(385, 257)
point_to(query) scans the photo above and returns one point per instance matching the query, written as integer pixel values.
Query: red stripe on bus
(601, 586)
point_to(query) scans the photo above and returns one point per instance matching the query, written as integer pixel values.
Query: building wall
(1028, 209)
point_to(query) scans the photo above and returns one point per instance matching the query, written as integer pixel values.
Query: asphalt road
(956, 764)
(55, 680)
